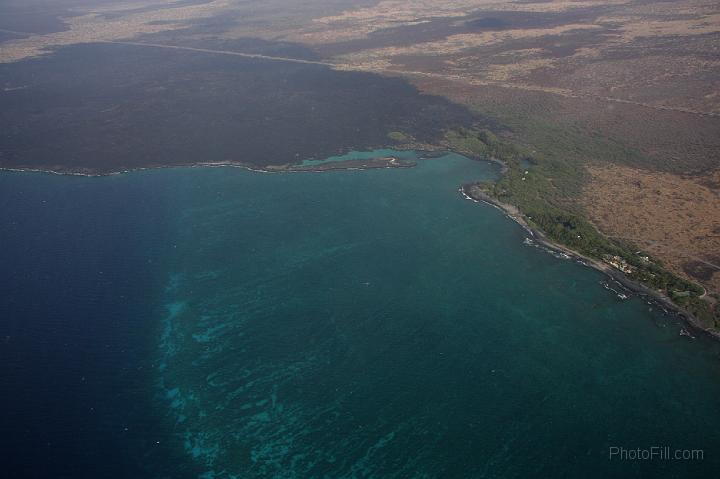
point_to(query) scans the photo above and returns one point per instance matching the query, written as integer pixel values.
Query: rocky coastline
(474, 192)
(360, 164)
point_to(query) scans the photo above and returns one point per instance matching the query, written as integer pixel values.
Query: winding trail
(443, 76)
(223, 52)
(15, 32)
(553, 91)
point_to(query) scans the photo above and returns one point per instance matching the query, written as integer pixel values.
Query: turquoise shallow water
(375, 324)
(345, 324)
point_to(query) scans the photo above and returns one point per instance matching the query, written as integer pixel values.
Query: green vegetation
(532, 180)
(398, 136)
(543, 188)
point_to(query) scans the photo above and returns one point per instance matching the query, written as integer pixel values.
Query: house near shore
(618, 263)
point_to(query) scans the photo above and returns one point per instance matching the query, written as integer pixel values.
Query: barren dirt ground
(674, 218)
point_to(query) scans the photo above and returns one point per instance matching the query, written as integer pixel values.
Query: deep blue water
(80, 259)
(224, 323)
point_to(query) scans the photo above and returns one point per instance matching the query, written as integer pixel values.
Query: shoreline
(424, 152)
(473, 193)
(367, 164)
(469, 191)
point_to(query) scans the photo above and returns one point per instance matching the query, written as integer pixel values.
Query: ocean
(223, 323)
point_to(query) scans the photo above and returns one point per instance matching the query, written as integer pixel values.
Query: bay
(218, 322)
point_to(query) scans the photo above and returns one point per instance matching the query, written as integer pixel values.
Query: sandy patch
(457, 43)
(93, 27)
(675, 218)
